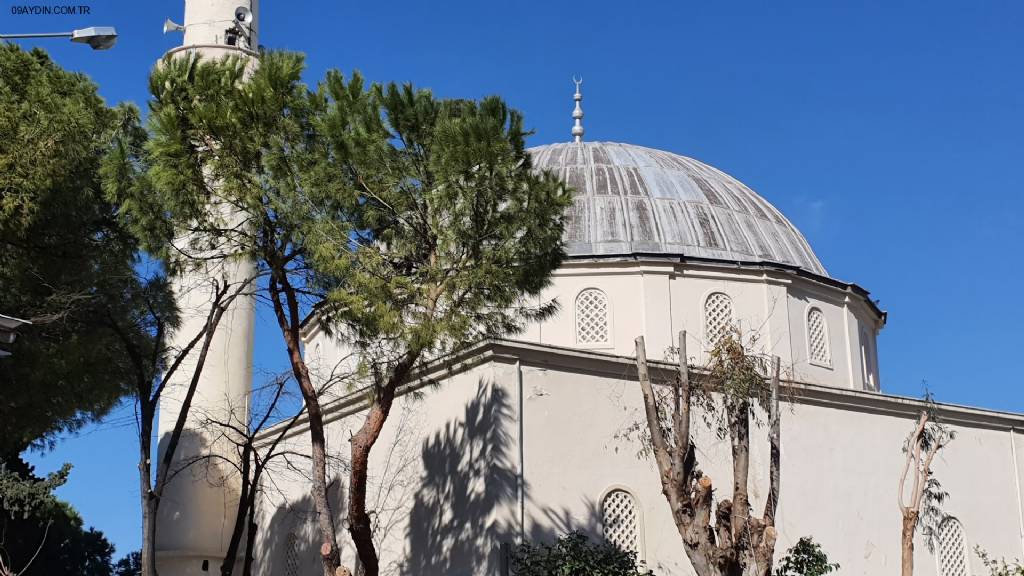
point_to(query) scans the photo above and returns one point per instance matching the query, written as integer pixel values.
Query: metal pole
(521, 480)
(44, 35)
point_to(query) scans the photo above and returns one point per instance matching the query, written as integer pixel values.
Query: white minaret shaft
(198, 506)
(577, 114)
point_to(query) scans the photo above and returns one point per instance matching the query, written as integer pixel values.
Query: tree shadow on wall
(289, 541)
(468, 486)
(553, 524)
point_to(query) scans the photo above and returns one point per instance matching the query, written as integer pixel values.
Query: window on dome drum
(717, 317)
(620, 520)
(592, 317)
(951, 554)
(818, 349)
(291, 555)
(865, 361)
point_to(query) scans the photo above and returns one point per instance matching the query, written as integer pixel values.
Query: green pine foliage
(411, 224)
(130, 565)
(453, 235)
(407, 219)
(575, 555)
(66, 263)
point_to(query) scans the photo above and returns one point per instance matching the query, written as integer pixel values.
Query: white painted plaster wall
(455, 471)
(658, 299)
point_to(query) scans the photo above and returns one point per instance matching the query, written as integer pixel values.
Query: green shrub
(999, 567)
(805, 558)
(574, 555)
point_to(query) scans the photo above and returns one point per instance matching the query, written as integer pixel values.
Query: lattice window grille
(592, 326)
(291, 555)
(620, 520)
(817, 338)
(952, 546)
(717, 317)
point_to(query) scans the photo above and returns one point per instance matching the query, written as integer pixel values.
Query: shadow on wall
(466, 507)
(198, 482)
(291, 540)
(554, 524)
(463, 504)
(467, 492)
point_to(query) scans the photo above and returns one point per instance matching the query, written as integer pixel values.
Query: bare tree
(254, 451)
(155, 367)
(725, 540)
(920, 499)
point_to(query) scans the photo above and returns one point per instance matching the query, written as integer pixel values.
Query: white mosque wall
(445, 474)
(442, 491)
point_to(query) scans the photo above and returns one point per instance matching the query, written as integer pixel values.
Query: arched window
(951, 554)
(717, 317)
(818, 349)
(867, 361)
(620, 520)
(291, 555)
(592, 317)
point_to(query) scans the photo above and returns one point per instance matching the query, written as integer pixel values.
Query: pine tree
(415, 225)
(65, 261)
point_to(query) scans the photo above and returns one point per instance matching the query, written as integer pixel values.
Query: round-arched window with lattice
(592, 317)
(717, 317)
(817, 339)
(951, 553)
(620, 520)
(291, 555)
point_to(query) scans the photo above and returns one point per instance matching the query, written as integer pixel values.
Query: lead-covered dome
(636, 200)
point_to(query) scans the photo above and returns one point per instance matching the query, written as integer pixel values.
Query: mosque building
(528, 438)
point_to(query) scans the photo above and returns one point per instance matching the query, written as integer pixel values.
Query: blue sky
(890, 133)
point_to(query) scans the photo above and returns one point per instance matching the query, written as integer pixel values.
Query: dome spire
(577, 114)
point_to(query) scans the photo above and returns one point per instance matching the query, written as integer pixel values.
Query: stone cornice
(602, 364)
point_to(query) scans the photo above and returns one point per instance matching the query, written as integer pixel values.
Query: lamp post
(8, 325)
(98, 37)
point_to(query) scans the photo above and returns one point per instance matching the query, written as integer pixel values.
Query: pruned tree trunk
(907, 529)
(724, 540)
(927, 438)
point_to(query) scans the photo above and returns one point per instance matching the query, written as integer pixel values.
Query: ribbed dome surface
(634, 200)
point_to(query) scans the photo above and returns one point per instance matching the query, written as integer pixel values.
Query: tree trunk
(329, 552)
(289, 323)
(907, 544)
(359, 524)
(149, 500)
(250, 541)
(739, 432)
(245, 500)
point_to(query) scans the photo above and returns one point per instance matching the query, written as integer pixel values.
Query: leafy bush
(574, 555)
(805, 558)
(999, 567)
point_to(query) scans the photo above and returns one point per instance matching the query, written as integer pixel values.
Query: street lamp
(99, 37)
(8, 325)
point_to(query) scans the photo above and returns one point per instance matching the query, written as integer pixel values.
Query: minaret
(196, 512)
(577, 114)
